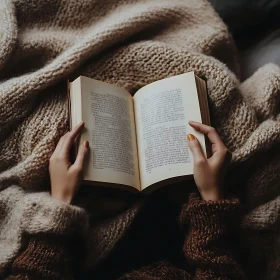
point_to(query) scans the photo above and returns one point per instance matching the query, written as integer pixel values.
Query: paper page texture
(162, 112)
(110, 129)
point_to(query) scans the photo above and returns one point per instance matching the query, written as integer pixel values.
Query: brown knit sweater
(51, 257)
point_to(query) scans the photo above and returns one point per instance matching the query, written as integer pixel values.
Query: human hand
(209, 173)
(66, 177)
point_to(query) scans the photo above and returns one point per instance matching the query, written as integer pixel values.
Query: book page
(110, 129)
(162, 112)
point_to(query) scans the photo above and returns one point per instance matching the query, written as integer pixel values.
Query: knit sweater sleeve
(52, 233)
(207, 245)
(48, 254)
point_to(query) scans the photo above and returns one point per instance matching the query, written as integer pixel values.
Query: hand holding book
(209, 173)
(66, 177)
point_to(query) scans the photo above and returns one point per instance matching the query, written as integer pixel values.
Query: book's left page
(108, 113)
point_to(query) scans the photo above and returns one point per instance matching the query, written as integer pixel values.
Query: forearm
(206, 245)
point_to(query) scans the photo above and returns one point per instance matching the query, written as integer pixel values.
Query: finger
(82, 152)
(195, 148)
(211, 134)
(69, 139)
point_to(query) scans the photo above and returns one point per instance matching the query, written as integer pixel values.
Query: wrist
(62, 198)
(213, 195)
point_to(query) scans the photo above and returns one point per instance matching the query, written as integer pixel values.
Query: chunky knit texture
(129, 43)
(51, 256)
(41, 261)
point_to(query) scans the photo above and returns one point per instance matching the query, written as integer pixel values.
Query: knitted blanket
(128, 43)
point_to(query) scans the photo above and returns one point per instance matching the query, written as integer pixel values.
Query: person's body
(51, 257)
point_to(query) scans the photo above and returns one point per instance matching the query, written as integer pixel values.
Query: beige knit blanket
(128, 43)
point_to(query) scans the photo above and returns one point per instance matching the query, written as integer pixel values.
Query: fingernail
(86, 144)
(190, 137)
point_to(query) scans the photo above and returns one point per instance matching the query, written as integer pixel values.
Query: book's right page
(162, 112)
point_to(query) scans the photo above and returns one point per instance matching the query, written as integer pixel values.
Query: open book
(139, 141)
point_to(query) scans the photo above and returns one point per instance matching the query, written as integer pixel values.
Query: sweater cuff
(43, 214)
(200, 214)
(47, 256)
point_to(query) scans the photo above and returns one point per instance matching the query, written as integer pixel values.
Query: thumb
(82, 152)
(195, 148)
